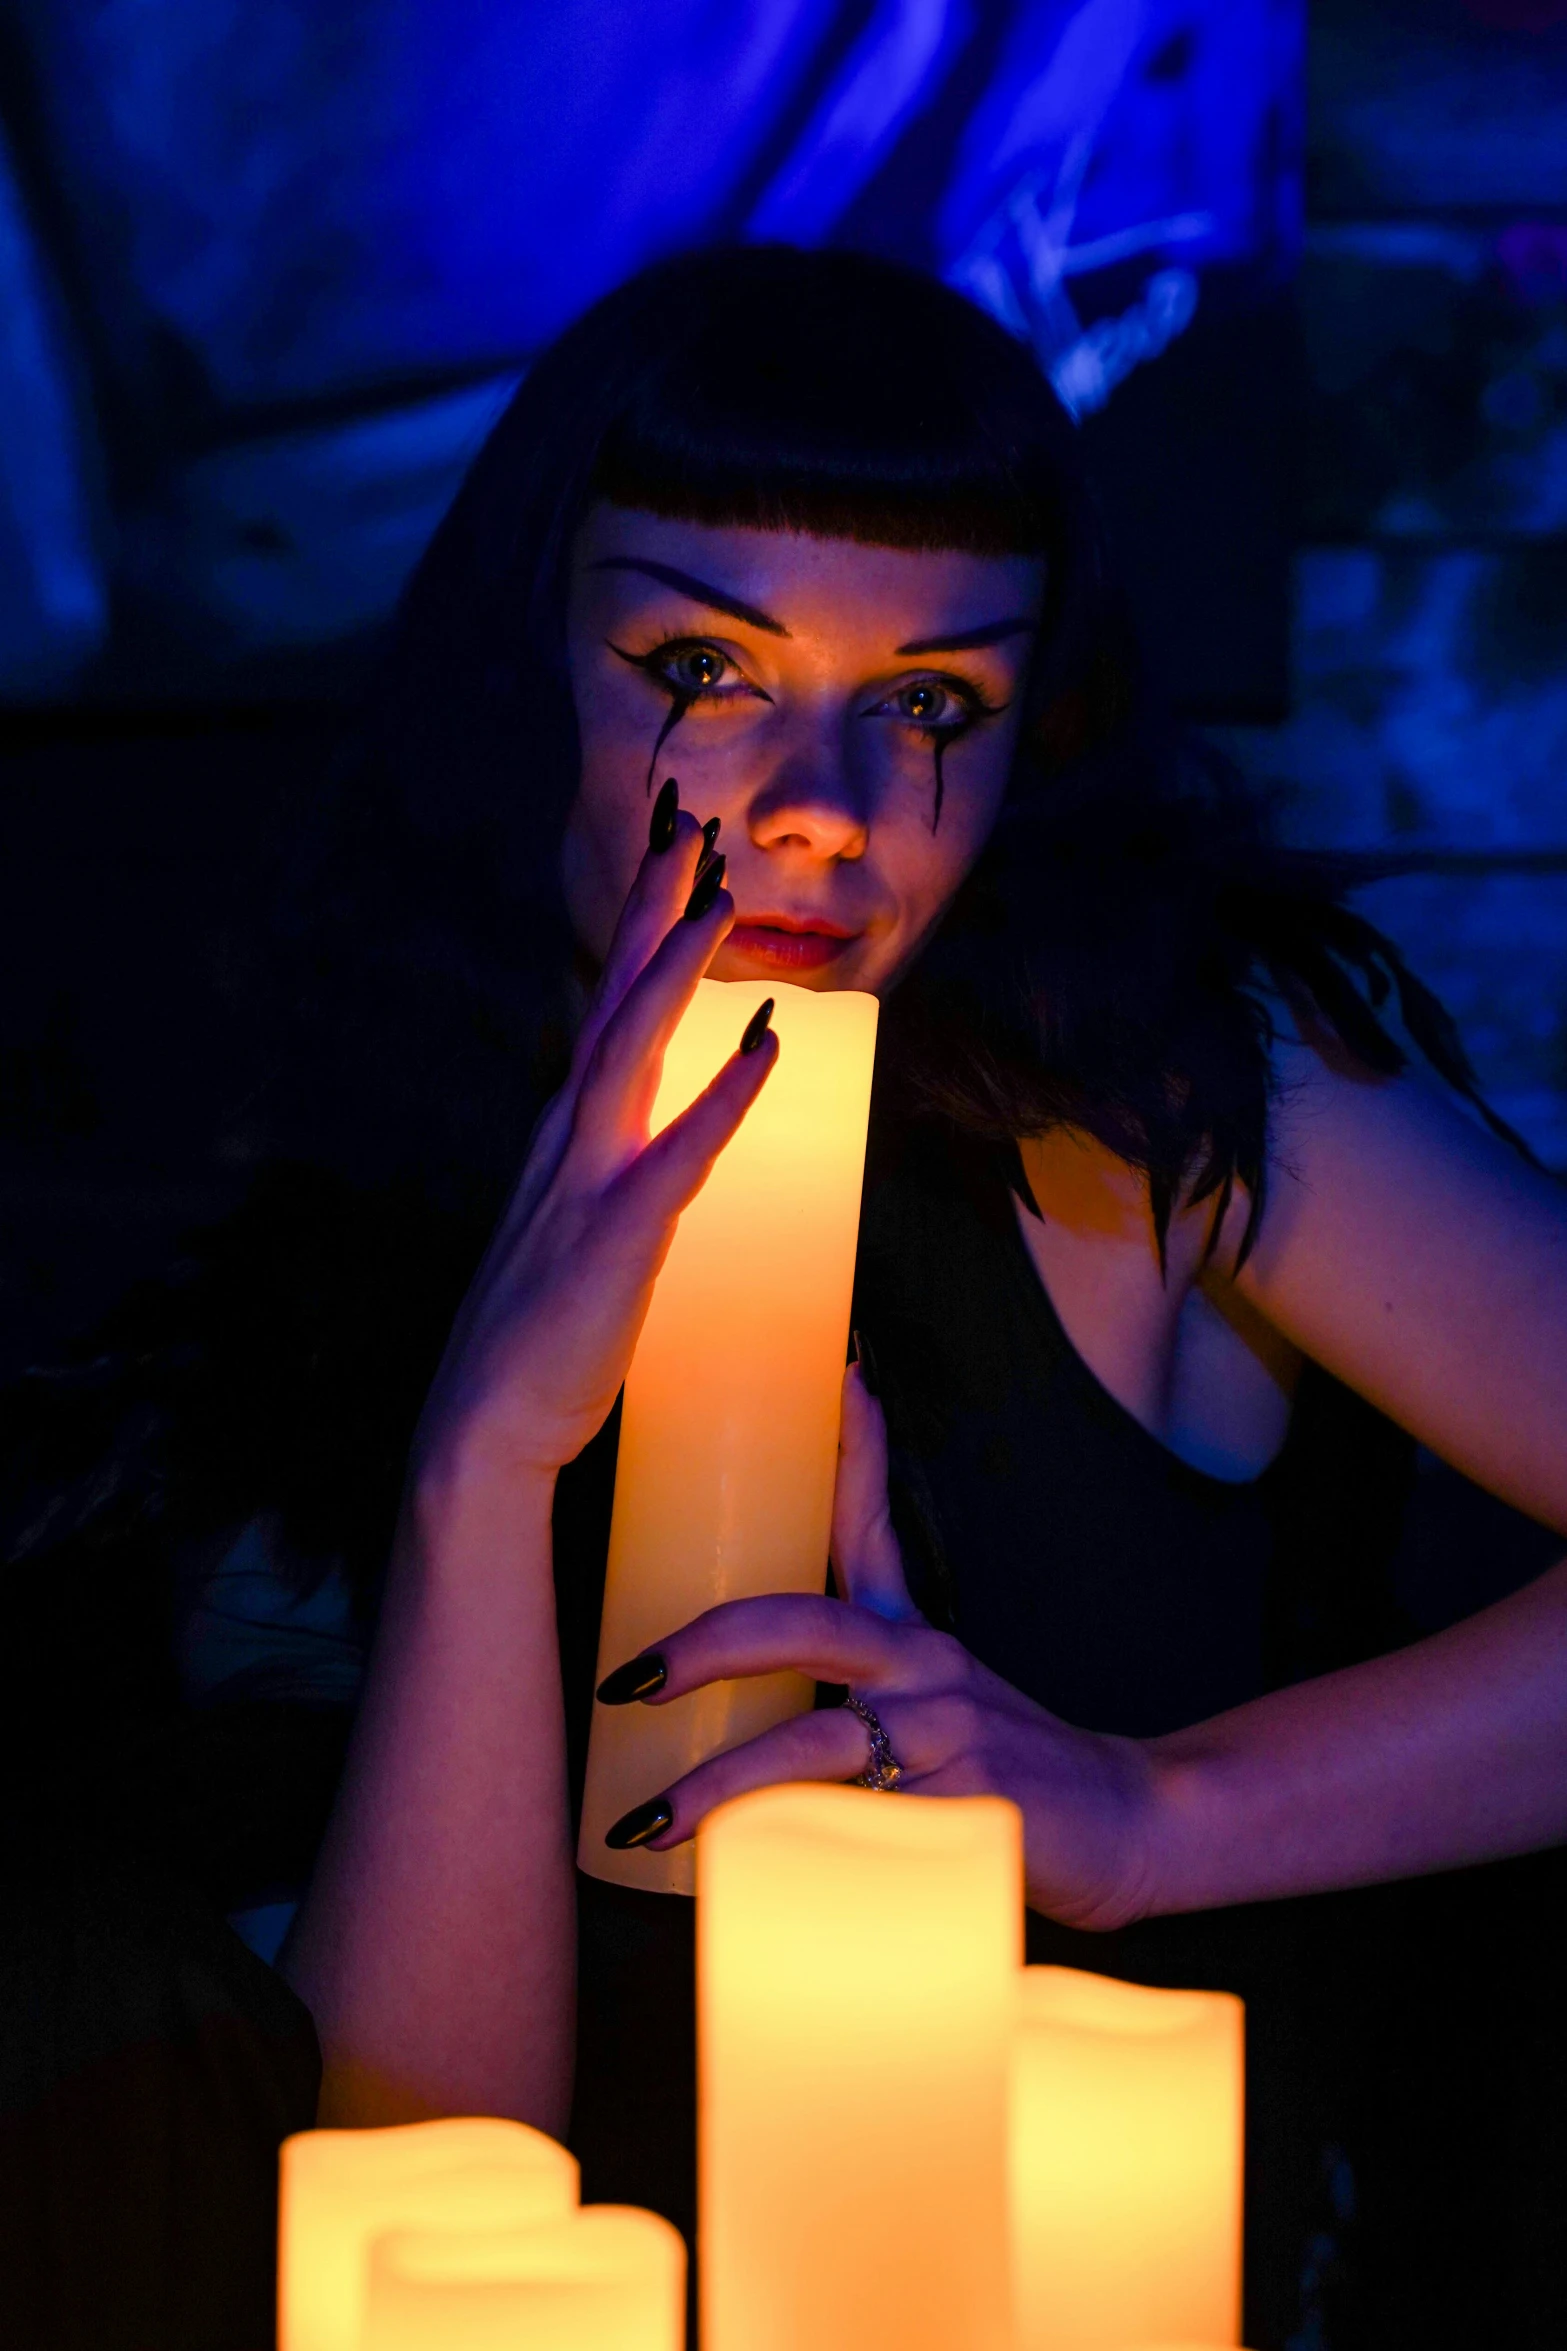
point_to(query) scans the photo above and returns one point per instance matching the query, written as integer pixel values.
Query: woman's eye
(694, 669)
(927, 704)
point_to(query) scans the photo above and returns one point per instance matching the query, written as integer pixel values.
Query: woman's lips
(781, 943)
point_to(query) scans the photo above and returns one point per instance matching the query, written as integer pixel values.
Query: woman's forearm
(1451, 1751)
(436, 1949)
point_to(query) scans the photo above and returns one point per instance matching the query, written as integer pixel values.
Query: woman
(1145, 1159)
(812, 530)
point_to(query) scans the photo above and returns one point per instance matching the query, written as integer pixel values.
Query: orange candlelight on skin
(339, 2189)
(1127, 2128)
(857, 1964)
(729, 1431)
(607, 2279)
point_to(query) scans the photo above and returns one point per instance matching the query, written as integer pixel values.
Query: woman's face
(848, 712)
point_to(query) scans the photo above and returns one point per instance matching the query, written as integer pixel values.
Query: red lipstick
(789, 942)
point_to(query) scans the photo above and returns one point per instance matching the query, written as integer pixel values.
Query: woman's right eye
(692, 669)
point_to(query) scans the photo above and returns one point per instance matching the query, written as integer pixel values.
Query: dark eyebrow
(989, 632)
(699, 591)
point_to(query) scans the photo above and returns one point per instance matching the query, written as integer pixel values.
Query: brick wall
(1430, 583)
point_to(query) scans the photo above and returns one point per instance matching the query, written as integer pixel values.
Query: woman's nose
(810, 809)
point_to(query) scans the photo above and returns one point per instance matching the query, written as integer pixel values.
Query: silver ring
(884, 1771)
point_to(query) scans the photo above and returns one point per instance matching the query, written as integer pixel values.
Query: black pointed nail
(706, 890)
(638, 1678)
(756, 1027)
(866, 1360)
(661, 830)
(707, 852)
(641, 1822)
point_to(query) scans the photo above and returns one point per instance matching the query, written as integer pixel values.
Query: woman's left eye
(928, 704)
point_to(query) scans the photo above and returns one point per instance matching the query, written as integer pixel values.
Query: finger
(831, 1744)
(656, 898)
(783, 1632)
(865, 1550)
(618, 1089)
(612, 1254)
(607, 1244)
(653, 905)
(667, 1175)
(655, 901)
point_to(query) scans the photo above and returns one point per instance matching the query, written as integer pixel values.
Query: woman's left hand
(954, 1728)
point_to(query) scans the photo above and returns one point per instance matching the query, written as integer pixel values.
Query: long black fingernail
(706, 890)
(866, 1360)
(706, 854)
(661, 830)
(756, 1027)
(641, 1822)
(638, 1678)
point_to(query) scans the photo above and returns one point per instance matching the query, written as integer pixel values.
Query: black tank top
(1095, 1571)
(1071, 1551)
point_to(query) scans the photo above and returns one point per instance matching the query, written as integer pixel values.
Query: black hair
(1119, 962)
(1100, 967)
(1108, 964)
(820, 392)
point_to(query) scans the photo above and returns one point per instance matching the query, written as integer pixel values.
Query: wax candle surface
(858, 1957)
(1127, 2120)
(341, 2188)
(607, 2279)
(729, 1432)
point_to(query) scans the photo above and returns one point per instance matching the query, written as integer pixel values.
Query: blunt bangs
(846, 398)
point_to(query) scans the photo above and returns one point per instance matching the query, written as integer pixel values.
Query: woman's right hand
(545, 1335)
(441, 1909)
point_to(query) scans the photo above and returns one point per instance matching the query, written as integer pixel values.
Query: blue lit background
(271, 266)
(267, 267)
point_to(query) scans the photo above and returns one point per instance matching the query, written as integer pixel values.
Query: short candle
(729, 1430)
(609, 2278)
(1127, 2123)
(857, 1965)
(339, 2189)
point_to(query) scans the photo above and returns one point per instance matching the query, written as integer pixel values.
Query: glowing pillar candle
(858, 1961)
(1127, 2118)
(339, 2189)
(729, 1432)
(608, 2279)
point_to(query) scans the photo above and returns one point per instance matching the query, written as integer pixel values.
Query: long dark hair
(1105, 965)
(1102, 965)
(821, 392)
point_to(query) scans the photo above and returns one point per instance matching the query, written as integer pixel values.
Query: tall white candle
(729, 1433)
(858, 1957)
(1127, 2122)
